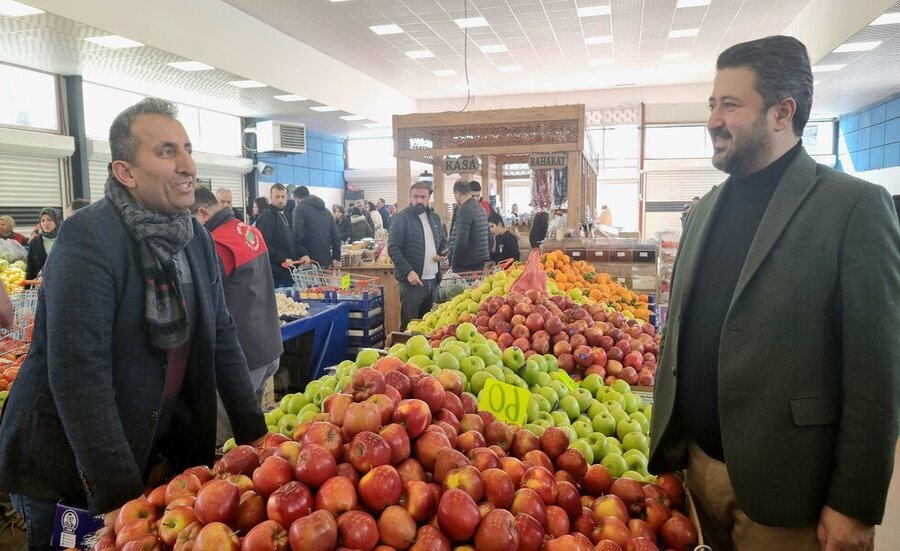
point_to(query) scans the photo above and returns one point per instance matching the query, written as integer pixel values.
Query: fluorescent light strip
(444, 73)
(353, 117)
(11, 8)
(114, 41)
(828, 68)
(492, 49)
(290, 97)
(247, 84)
(419, 54)
(692, 3)
(382, 30)
(190, 66)
(887, 19)
(683, 33)
(471, 22)
(590, 11)
(592, 40)
(857, 46)
(324, 108)
(510, 68)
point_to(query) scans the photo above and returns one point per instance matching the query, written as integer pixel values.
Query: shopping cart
(24, 306)
(453, 283)
(312, 282)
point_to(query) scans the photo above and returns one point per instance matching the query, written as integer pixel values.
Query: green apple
(401, 353)
(447, 360)
(464, 346)
(493, 359)
(272, 428)
(625, 426)
(309, 407)
(535, 429)
(329, 381)
(394, 350)
(604, 423)
(471, 365)
(598, 445)
(615, 409)
(614, 445)
(287, 424)
(560, 388)
(532, 409)
(570, 432)
(466, 332)
(544, 419)
(418, 345)
(633, 476)
(507, 371)
(551, 362)
(455, 350)
(584, 398)
(648, 412)
(543, 379)
(269, 418)
(615, 464)
(479, 380)
(595, 408)
(642, 419)
(312, 388)
(296, 402)
(513, 357)
(306, 416)
(277, 414)
(560, 419)
(582, 429)
(540, 361)
(366, 357)
(613, 395)
(496, 372)
(584, 447)
(347, 368)
(530, 372)
(583, 418)
(633, 402)
(342, 383)
(636, 441)
(482, 351)
(229, 445)
(285, 400)
(543, 403)
(550, 395)
(420, 360)
(495, 348)
(570, 406)
(592, 383)
(512, 379)
(621, 386)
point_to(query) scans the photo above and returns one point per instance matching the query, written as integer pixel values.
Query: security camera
(265, 169)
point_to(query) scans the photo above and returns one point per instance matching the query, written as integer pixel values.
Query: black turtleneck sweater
(740, 208)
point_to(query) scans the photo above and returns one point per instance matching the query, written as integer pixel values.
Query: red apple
(358, 530)
(337, 496)
(173, 522)
(585, 522)
(384, 404)
(458, 515)
(348, 471)
(527, 501)
(610, 506)
(411, 469)
(335, 406)
(400, 382)
(543, 482)
(419, 500)
(679, 533)
(216, 536)
(447, 460)
(183, 484)
(315, 465)
(290, 502)
(396, 437)
(469, 402)
(640, 529)
(187, 537)
(672, 486)
(530, 531)
(369, 450)
(266, 536)
(143, 543)
(289, 450)
(430, 538)
(498, 487)
(218, 500)
(499, 434)
(537, 458)
(629, 375)
(326, 435)
(414, 415)
(251, 511)
(380, 488)
(240, 460)
(470, 440)
(467, 479)
(429, 390)
(557, 524)
(470, 421)
(553, 442)
(514, 468)
(367, 382)
(497, 532)
(629, 491)
(597, 480)
(397, 527)
(361, 417)
(484, 459)
(315, 532)
(611, 528)
(272, 474)
(428, 446)
(568, 499)
(157, 497)
(573, 462)
(524, 441)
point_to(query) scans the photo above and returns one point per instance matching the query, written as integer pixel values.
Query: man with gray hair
(120, 384)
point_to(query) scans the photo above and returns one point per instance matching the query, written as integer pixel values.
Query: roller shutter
(666, 192)
(28, 184)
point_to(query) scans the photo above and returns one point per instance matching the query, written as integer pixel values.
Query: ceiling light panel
(492, 48)
(382, 30)
(353, 117)
(324, 108)
(114, 41)
(887, 19)
(191, 66)
(828, 68)
(419, 54)
(247, 84)
(444, 73)
(11, 8)
(290, 97)
(683, 33)
(692, 3)
(857, 46)
(471, 22)
(591, 11)
(592, 40)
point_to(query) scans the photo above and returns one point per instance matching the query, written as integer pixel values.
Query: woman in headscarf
(7, 230)
(259, 205)
(42, 245)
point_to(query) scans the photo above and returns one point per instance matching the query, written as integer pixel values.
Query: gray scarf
(159, 238)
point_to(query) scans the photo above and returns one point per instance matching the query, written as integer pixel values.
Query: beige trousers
(724, 524)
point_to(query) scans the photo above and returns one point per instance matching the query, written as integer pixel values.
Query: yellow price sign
(508, 403)
(345, 281)
(564, 377)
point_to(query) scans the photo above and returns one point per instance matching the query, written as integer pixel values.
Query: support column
(251, 179)
(438, 202)
(403, 182)
(575, 198)
(81, 179)
(499, 172)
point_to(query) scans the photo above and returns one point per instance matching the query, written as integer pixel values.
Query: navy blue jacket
(80, 421)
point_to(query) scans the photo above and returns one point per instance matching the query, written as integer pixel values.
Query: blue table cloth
(329, 322)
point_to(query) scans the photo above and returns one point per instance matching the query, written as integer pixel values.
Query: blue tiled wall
(321, 166)
(872, 135)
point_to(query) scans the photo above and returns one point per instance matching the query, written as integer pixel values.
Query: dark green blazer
(809, 359)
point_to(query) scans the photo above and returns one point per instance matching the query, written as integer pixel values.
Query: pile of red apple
(395, 461)
(585, 339)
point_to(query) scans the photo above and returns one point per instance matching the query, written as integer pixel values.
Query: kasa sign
(467, 164)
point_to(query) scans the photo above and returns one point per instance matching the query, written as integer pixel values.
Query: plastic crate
(369, 340)
(366, 323)
(377, 326)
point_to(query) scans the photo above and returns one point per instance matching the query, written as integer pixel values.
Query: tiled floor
(887, 536)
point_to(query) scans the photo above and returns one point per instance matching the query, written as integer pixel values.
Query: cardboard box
(74, 528)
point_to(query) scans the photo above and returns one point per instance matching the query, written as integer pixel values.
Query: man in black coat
(127, 357)
(417, 245)
(506, 246)
(384, 212)
(469, 232)
(539, 225)
(315, 232)
(276, 230)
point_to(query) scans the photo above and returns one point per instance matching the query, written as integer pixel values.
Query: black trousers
(415, 300)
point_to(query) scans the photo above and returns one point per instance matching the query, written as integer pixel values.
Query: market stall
(305, 359)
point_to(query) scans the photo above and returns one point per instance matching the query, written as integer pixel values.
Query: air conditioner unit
(280, 137)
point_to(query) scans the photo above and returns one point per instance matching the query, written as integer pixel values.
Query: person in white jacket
(377, 222)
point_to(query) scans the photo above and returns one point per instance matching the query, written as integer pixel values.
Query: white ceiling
(546, 38)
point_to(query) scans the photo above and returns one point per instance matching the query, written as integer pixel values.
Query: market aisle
(887, 536)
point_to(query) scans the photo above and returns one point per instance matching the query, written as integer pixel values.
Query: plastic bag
(533, 275)
(11, 248)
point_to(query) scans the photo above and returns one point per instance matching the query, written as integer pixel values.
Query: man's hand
(439, 258)
(304, 260)
(336, 264)
(413, 279)
(838, 532)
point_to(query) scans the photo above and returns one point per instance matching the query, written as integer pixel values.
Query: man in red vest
(249, 291)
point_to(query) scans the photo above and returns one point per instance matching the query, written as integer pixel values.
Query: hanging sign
(467, 164)
(505, 401)
(544, 161)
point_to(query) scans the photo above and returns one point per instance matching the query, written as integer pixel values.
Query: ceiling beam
(823, 25)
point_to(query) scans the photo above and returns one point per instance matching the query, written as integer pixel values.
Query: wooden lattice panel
(480, 136)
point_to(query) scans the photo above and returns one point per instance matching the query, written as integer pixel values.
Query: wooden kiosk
(499, 137)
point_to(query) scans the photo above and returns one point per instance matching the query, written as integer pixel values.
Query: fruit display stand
(385, 274)
(668, 250)
(631, 262)
(328, 325)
